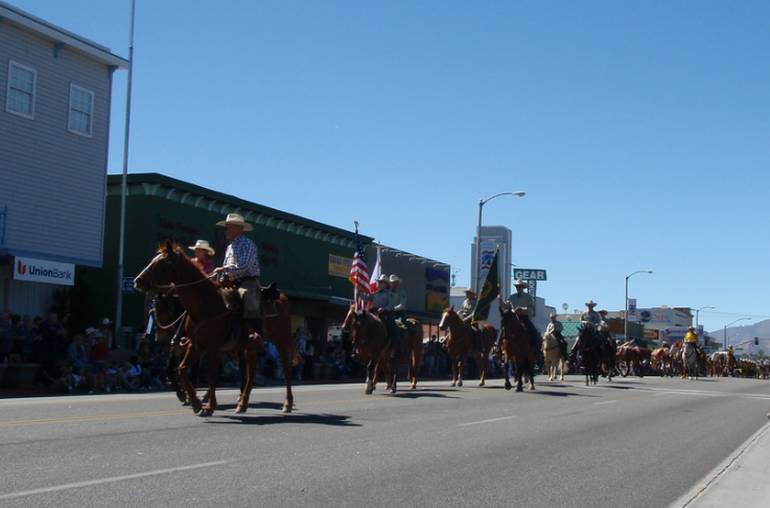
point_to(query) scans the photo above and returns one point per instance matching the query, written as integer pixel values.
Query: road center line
(113, 479)
(488, 421)
(604, 402)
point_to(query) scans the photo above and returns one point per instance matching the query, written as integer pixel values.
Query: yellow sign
(339, 266)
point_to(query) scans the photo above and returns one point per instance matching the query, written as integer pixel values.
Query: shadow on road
(313, 419)
(422, 393)
(553, 393)
(253, 405)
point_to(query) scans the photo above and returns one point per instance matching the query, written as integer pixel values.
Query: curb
(713, 476)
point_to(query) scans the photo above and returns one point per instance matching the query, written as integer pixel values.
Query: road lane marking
(488, 421)
(92, 418)
(604, 402)
(112, 479)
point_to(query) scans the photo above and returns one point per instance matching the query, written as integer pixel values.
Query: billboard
(41, 270)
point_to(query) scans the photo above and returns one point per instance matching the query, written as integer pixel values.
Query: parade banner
(489, 291)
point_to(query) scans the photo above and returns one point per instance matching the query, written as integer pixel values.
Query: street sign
(529, 274)
(128, 284)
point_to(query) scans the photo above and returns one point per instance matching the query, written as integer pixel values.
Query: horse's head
(162, 270)
(354, 321)
(448, 317)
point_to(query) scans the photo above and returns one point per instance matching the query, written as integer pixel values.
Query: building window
(20, 99)
(81, 111)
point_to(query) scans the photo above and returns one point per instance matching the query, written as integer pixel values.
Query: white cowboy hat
(469, 290)
(383, 278)
(106, 321)
(395, 278)
(590, 303)
(90, 330)
(519, 283)
(202, 244)
(236, 219)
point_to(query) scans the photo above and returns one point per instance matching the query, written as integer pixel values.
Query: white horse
(552, 356)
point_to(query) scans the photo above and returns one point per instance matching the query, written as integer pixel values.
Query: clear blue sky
(648, 121)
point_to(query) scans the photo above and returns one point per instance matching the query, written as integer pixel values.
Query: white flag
(376, 271)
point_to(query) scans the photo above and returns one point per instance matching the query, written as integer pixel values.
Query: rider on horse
(241, 268)
(555, 328)
(466, 313)
(203, 256)
(397, 307)
(591, 316)
(523, 303)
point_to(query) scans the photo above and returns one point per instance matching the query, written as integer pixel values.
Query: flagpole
(123, 189)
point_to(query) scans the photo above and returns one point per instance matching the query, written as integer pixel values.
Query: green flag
(489, 291)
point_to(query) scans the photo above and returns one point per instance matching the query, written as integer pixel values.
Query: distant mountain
(737, 334)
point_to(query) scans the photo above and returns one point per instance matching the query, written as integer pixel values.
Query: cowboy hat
(519, 283)
(590, 303)
(383, 278)
(603, 311)
(202, 244)
(395, 278)
(236, 219)
(552, 315)
(90, 330)
(470, 291)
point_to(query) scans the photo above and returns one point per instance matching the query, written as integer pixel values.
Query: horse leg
(190, 357)
(213, 375)
(248, 358)
(519, 376)
(369, 376)
(454, 373)
(416, 361)
(506, 371)
(285, 354)
(460, 369)
(171, 374)
(393, 374)
(483, 365)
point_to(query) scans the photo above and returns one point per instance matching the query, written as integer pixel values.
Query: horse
(517, 348)
(553, 357)
(660, 360)
(631, 358)
(410, 352)
(690, 360)
(460, 344)
(608, 350)
(369, 336)
(211, 327)
(588, 345)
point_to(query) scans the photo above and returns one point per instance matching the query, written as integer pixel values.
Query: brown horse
(517, 348)
(209, 326)
(410, 352)
(369, 337)
(460, 344)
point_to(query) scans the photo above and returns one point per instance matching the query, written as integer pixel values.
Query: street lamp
(482, 202)
(724, 337)
(625, 318)
(697, 311)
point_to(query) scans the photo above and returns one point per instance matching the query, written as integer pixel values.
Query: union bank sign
(40, 270)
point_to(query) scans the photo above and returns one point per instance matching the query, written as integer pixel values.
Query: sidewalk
(740, 480)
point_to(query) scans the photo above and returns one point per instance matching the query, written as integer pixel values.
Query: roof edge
(134, 178)
(58, 34)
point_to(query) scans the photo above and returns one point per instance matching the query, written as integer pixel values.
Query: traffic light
(756, 341)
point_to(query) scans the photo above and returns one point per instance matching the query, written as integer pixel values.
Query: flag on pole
(359, 273)
(489, 291)
(375, 273)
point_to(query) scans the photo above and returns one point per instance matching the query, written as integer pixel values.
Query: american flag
(359, 272)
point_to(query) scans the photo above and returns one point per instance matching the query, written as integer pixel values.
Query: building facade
(55, 92)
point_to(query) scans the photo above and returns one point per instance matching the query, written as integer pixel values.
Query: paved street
(635, 442)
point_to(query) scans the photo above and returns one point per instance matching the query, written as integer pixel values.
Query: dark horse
(589, 346)
(517, 348)
(210, 327)
(608, 349)
(368, 335)
(464, 341)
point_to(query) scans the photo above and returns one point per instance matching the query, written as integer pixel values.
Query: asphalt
(635, 442)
